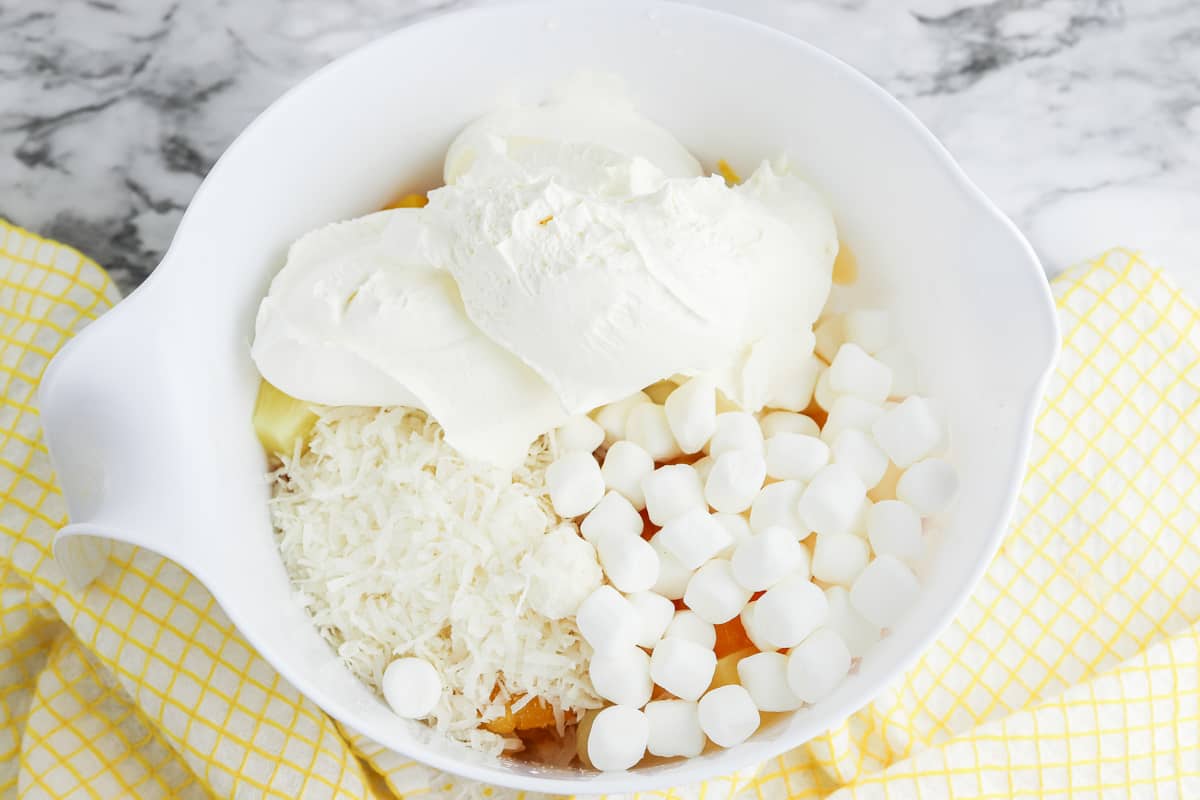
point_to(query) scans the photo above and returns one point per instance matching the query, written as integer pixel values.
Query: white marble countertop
(1080, 118)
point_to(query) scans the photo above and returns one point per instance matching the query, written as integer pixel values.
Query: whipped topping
(592, 120)
(682, 277)
(575, 255)
(360, 316)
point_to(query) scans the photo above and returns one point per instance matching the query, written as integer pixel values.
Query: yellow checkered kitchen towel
(1074, 669)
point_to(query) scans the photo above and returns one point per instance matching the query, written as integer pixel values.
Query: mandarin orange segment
(648, 527)
(537, 713)
(731, 637)
(502, 725)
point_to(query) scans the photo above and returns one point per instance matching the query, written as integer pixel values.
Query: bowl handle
(107, 423)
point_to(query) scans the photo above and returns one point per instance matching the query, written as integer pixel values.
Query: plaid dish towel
(1073, 670)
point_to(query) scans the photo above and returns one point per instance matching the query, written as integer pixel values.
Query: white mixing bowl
(147, 412)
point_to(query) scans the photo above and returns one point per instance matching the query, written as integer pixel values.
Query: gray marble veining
(1081, 118)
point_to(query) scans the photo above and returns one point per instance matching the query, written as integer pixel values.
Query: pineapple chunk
(725, 404)
(660, 391)
(886, 488)
(728, 173)
(845, 266)
(281, 420)
(410, 200)
(582, 732)
(726, 672)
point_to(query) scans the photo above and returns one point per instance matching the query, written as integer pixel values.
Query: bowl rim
(625, 782)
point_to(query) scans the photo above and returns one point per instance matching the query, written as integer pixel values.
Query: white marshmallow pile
(805, 535)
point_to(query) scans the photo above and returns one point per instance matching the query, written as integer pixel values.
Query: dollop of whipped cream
(575, 255)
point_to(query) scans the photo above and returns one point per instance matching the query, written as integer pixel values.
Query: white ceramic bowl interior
(147, 412)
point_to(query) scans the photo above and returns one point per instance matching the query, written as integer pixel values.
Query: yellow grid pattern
(1073, 670)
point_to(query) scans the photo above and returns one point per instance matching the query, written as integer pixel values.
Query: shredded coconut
(397, 546)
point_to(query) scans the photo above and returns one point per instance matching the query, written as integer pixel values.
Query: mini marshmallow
(630, 563)
(671, 492)
(621, 675)
(612, 417)
(855, 373)
(736, 430)
(789, 611)
(884, 591)
(765, 677)
(849, 411)
(778, 505)
(673, 577)
(674, 729)
(703, 467)
(687, 624)
(579, 432)
(839, 557)
(859, 526)
(928, 486)
(894, 529)
(738, 528)
(752, 631)
(904, 370)
(832, 501)
(857, 450)
(823, 393)
(682, 667)
(869, 328)
(830, 333)
(858, 634)
(607, 620)
(692, 413)
(735, 480)
(714, 594)
(656, 614)
(795, 455)
(412, 687)
(625, 466)
(694, 537)
(908, 432)
(618, 738)
(817, 665)
(788, 422)
(766, 558)
(728, 715)
(612, 516)
(575, 484)
(790, 382)
(647, 427)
